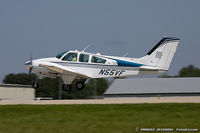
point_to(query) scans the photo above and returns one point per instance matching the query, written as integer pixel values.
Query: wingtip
(171, 38)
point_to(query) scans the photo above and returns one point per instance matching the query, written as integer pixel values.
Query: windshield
(70, 57)
(61, 54)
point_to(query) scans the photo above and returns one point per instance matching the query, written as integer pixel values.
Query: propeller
(30, 69)
(31, 59)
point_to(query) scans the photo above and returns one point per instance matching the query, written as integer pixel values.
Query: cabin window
(60, 55)
(70, 57)
(97, 60)
(83, 58)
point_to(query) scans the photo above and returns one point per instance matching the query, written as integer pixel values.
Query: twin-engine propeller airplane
(82, 65)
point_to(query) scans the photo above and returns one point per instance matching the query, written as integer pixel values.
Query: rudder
(160, 56)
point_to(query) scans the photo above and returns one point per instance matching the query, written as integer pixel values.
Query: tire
(66, 87)
(79, 85)
(35, 85)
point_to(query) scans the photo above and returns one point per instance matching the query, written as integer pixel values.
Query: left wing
(60, 69)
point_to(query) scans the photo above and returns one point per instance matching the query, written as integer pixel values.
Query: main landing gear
(66, 87)
(79, 85)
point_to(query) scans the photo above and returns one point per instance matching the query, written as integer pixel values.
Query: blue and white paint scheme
(82, 65)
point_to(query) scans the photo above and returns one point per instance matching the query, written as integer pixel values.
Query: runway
(130, 100)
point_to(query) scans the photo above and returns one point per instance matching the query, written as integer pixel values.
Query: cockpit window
(97, 60)
(70, 57)
(60, 55)
(83, 58)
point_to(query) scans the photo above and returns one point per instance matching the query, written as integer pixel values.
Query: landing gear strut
(35, 85)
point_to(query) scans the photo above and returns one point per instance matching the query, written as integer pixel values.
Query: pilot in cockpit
(74, 57)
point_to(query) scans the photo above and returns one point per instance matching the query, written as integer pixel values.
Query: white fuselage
(82, 65)
(96, 70)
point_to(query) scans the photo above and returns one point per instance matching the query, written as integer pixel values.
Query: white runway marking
(130, 100)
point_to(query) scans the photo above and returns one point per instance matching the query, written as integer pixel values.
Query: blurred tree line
(50, 87)
(189, 71)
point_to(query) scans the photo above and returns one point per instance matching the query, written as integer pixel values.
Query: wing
(60, 69)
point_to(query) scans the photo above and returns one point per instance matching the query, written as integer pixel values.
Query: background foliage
(189, 71)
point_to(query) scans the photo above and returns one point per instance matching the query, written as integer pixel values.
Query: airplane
(81, 65)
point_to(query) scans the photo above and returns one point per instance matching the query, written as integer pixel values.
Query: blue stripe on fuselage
(125, 63)
(128, 64)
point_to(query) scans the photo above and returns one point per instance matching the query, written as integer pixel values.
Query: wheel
(66, 87)
(35, 85)
(79, 85)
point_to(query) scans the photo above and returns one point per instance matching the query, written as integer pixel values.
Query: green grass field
(117, 118)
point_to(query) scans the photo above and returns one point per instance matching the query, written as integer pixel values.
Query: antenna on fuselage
(85, 48)
(125, 54)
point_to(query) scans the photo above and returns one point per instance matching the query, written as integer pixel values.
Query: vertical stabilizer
(160, 56)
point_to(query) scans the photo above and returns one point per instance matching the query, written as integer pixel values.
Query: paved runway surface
(130, 100)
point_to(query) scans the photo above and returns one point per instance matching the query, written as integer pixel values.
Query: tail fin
(160, 56)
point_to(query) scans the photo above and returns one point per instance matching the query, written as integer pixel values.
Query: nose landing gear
(35, 85)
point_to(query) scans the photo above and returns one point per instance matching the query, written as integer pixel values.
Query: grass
(113, 118)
